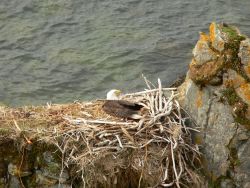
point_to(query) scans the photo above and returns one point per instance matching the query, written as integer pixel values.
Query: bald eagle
(121, 108)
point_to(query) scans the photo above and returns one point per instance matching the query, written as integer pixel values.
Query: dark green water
(63, 50)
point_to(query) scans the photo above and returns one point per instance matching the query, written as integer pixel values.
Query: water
(63, 50)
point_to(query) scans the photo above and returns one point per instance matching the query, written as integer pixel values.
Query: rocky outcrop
(216, 93)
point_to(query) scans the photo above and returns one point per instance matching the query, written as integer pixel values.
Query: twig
(86, 121)
(149, 91)
(174, 167)
(119, 141)
(160, 94)
(146, 81)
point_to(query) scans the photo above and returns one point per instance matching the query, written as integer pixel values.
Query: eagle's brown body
(122, 109)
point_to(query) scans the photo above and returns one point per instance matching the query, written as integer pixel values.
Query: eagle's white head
(114, 94)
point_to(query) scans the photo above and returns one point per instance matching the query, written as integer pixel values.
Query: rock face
(244, 55)
(34, 166)
(216, 93)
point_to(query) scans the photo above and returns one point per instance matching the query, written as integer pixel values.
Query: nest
(105, 151)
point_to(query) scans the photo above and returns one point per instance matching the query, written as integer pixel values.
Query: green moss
(232, 49)
(231, 96)
(215, 182)
(243, 121)
(234, 160)
(237, 162)
(232, 34)
(236, 65)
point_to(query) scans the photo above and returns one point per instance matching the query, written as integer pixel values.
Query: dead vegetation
(104, 151)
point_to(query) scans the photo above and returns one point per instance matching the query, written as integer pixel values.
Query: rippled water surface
(63, 50)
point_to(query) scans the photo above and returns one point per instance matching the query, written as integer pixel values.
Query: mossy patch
(232, 33)
(236, 65)
(233, 100)
(202, 75)
(234, 160)
(231, 96)
(243, 121)
(218, 182)
(232, 49)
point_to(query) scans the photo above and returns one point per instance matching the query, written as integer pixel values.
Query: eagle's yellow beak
(118, 92)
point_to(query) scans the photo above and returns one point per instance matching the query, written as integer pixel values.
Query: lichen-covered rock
(34, 165)
(240, 157)
(242, 170)
(215, 52)
(244, 54)
(15, 170)
(222, 111)
(51, 169)
(244, 92)
(218, 127)
(205, 73)
(42, 180)
(233, 79)
(213, 116)
(202, 52)
(216, 37)
(207, 60)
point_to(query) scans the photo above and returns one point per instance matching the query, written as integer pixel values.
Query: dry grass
(104, 151)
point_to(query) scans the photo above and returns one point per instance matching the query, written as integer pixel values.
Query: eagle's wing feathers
(121, 108)
(131, 105)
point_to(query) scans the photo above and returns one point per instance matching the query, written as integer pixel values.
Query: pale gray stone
(14, 182)
(244, 54)
(218, 42)
(219, 133)
(202, 53)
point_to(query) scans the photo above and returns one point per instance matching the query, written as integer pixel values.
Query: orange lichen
(245, 88)
(228, 83)
(247, 68)
(193, 63)
(238, 80)
(204, 37)
(199, 99)
(220, 44)
(204, 73)
(212, 31)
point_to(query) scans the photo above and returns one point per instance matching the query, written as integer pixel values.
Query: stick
(146, 81)
(120, 143)
(85, 121)
(149, 91)
(174, 167)
(160, 94)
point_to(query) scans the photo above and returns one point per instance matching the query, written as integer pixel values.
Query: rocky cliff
(216, 93)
